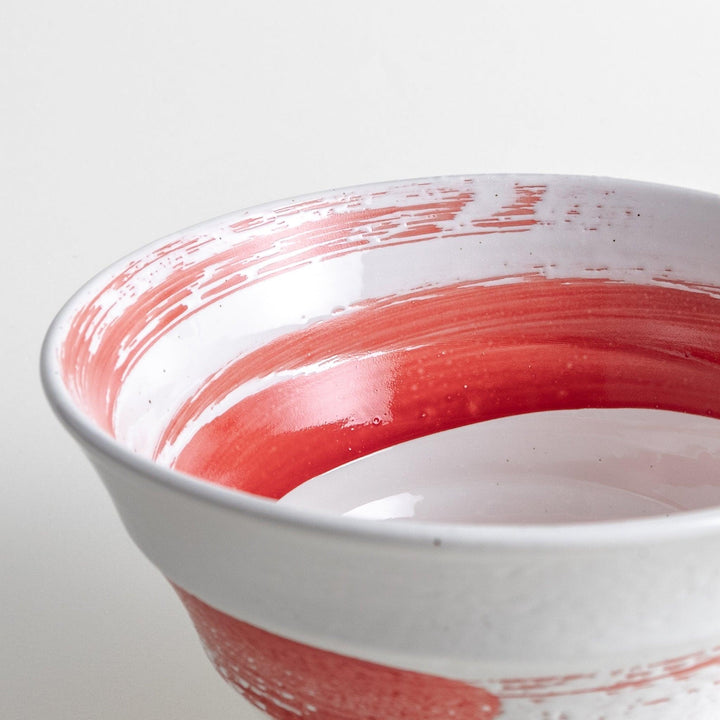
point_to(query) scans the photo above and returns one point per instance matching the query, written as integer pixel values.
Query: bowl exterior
(289, 614)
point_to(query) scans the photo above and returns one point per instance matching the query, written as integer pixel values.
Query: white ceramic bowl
(541, 357)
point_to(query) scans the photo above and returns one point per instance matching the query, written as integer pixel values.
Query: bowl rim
(461, 536)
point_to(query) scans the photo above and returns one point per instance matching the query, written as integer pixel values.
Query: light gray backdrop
(123, 121)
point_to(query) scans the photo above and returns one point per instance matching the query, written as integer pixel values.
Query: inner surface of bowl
(265, 349)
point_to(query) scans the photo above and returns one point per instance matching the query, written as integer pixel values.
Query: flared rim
(677, 526)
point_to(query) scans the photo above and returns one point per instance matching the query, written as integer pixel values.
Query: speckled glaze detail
(216, 371)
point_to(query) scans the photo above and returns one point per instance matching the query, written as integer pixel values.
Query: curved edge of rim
(681, 525)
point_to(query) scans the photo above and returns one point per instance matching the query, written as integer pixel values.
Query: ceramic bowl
(443, 448)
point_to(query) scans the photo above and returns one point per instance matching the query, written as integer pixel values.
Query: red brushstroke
(289, 680)
(272, 246)
(398, 368)
(328, 228)
(635, 678)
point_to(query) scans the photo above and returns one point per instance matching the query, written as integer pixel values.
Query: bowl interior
(266, 349)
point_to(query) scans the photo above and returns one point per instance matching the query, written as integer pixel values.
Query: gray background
(124, 121)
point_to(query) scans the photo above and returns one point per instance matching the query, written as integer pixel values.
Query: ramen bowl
(441, 448)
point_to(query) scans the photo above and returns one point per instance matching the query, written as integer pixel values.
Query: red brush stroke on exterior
(398, 368)
(680, 669)
(289, 680)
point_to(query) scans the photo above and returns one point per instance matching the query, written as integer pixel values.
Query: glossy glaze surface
(404, 367)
